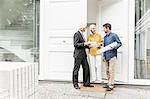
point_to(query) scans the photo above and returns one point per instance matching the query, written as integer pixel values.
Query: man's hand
(87, 43)
(99, 44)
(90, 46)
(103, 60)
(110, 48)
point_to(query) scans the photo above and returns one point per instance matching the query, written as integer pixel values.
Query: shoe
(105, 86)
(112, 86)
(76, 87)
(109, 89)
(88, 85)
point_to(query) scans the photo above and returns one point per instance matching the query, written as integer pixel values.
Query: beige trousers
(110, 70)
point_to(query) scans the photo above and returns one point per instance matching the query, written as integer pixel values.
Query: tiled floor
(65, 90)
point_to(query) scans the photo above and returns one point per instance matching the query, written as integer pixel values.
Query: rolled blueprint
(106, 48)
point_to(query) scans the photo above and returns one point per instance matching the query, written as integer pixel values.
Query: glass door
(142, 40)
(140, 73)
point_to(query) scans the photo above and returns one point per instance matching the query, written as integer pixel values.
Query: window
(142, 40)
(19, 30)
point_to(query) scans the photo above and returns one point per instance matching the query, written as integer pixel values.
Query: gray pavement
(65, 90)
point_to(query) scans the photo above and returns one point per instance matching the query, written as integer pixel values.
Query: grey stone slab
(63, 90)
(99, 95)
(129, 93)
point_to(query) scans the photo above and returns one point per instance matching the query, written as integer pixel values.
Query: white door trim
(42, 40)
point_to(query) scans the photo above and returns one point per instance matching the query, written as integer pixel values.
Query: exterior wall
(109, 12)
(92, 10)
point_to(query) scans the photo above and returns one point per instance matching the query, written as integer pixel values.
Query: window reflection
(142, 40)
(19, 30)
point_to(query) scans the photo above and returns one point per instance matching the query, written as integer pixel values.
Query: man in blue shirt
(110, 56)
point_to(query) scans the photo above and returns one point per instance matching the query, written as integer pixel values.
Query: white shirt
(82, 34)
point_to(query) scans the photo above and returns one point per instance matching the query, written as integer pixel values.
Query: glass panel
(19, 29)
(139, 9)
(147, 4)
(142, 40)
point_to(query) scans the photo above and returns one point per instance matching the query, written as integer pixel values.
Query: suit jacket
(79, 51)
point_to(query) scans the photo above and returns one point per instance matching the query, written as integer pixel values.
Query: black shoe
(105, 86)
(88, 85)
(109, 89)
(76, 87)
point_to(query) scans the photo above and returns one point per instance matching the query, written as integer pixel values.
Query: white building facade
(42, 31)
(60, 20)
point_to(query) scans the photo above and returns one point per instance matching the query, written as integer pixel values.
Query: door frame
(42, 40)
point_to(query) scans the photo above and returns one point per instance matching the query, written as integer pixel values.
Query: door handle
(64, 41)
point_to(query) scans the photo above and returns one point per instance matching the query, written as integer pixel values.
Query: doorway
(57, 30)
(106, 11)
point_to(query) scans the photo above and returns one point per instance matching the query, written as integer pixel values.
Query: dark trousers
(86, 72)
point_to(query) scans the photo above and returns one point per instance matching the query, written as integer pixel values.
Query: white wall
(92, 10)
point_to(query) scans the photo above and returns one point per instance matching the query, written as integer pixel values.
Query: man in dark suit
(81, 59)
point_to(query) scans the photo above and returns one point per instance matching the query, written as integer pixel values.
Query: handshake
(93, 44)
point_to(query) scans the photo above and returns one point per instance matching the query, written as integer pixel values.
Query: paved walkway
(65, 90)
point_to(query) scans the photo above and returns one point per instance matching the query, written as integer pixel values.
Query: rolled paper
(106, 48)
